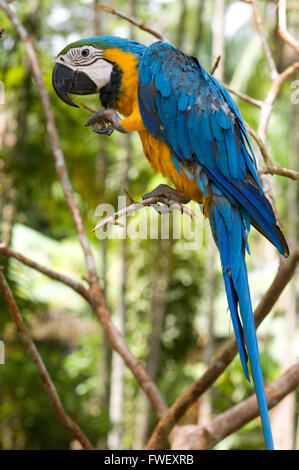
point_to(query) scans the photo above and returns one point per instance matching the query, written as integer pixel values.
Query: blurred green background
(168, 301)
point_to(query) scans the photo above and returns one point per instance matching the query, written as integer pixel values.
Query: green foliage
(43, 229)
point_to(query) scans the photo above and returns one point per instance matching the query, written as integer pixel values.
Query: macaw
(193, 133)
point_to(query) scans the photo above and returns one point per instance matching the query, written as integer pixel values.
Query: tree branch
(192, 437)
(177, 410)
(215, 65)
(100, 309)
(282, 26)
(265, 106)
(54, 140)
(40, 366)
(133, 21)
(96, 298)
(94, 294)
(266, 47)
(119, 344)
(244, 97)
(5, 250)
(278, 170)
(271, 168)
(169, 206)
(272, 94)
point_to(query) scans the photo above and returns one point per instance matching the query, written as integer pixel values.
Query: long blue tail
(228, 226)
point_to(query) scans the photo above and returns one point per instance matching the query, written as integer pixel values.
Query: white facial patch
(88, 59)
(99, 72)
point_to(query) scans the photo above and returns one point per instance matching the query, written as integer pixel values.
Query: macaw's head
(95, 65)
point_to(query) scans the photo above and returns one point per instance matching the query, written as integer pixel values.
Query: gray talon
(163, 190)
(105, 122)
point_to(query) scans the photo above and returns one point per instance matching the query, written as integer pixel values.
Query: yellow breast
(155, 150)
(159, 156)
(128, 64)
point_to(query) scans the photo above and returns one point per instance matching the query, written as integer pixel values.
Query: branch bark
(5, 250)
(282, 26)
(133, 21)
(266, 47)
(54, 140)
(168, 205)
(94, 294)
(219, 364)
(49, 386)
(244, 97)
(272, 94)
(101, 311)
(96, 298)
(271, 168)
(204, 437)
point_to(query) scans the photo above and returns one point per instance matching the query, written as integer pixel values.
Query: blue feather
(200, 122)
(229, 239)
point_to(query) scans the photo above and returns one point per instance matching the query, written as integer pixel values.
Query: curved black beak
(66, 80)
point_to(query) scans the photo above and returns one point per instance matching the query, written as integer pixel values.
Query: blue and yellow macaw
(193, 133)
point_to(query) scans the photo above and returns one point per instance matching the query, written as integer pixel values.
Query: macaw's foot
(105, 122)
(169, 193)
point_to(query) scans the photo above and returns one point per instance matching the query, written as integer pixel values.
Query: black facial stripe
(90, 63)
(87, 61)
(77, 59)
(110, 92)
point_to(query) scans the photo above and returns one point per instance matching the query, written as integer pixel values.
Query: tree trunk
(118, 367)
(100, 176)
(160, 281)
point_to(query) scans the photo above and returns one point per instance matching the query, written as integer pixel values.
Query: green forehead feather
(83, 42)
(108, 42)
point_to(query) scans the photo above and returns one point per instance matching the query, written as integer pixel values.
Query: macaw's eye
(85, 52)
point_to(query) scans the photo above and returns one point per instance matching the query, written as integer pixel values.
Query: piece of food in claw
(99, 125)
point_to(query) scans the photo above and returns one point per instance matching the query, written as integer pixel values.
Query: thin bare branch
(119, 344)
(54, 140)
(271, 168)
(5, 250)
(282, 26)
(116, 339)
(278, 170)
(96, 299)
(153, 201)
(244, 97)
(133, 21)
(48, 384)
(192, 437)
(177, 410)
(215, 65)
(259, 26)
(267, 159)
(95, 296)
(271, 97)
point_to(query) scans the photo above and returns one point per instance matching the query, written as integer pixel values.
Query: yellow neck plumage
(128, 64)
(155, 150)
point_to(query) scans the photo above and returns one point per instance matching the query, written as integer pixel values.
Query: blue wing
(192, 112)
